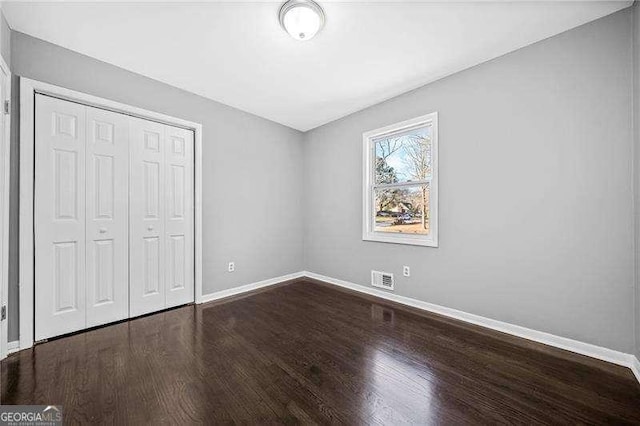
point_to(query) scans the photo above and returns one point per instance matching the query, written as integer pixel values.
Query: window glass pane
(402, 210)
(404, 157)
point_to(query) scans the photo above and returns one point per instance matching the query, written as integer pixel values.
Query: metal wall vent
(382, 280)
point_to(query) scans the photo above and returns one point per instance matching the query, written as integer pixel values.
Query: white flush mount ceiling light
(302, 19)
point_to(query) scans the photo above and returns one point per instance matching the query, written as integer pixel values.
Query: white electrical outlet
(232, 267)
(406, 271)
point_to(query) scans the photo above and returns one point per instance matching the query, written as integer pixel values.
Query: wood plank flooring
(307, 353)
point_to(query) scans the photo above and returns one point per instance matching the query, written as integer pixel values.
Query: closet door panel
(147, 213)
(179, 267)
(107, 170)
(59, 217)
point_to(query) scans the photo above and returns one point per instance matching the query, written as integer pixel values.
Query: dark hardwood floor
(306, 352)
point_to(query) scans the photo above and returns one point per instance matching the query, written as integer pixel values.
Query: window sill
(412, 240)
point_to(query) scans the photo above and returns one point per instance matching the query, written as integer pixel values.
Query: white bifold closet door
(60, 141)
(162, 246)
(81, 217)
(113, 217)
(107, 216)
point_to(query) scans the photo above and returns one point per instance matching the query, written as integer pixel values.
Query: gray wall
(252, 210)
(5, 39)
(636, 176)
(536, 197)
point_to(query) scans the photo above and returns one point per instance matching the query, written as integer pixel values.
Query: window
(401, 183)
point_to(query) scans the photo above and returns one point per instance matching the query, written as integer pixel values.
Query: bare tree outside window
(418, 160)
(400, 206)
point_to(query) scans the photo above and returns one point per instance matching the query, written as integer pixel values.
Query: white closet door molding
(59, 217)
(5, 154)
(107, 222)
(72, 147)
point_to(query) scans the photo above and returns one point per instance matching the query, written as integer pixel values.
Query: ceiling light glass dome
(302, 19)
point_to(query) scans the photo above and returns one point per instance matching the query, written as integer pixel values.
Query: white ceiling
(236, 53)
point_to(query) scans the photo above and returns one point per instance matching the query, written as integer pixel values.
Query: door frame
(28, 89)
(5, 185)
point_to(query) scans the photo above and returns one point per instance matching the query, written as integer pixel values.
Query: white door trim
(28, 89)
(5, 160)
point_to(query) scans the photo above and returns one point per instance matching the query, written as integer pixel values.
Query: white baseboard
(588, 349)
(635, 367)
(598, 352)
(249, 287)
(13, 346)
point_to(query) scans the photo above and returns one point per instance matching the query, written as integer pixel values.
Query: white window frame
(368, 218)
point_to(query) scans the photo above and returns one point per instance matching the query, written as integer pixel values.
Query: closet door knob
(103, 230)
(150, 227)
